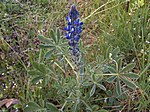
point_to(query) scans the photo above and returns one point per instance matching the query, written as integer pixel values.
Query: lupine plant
(43, 77)
(57, 65)
(94, 81)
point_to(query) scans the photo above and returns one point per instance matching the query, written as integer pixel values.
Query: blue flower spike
(73, 31)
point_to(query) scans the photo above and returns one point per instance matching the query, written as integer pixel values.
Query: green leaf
(118, 87)
(36, 65)
(109, 93)
(42, 68)
(51, 107)
(93, 77)
(70, 99)
(75, 107)
(93, 90)
(32, 106)
(17, 106)
(82, 72)
(101, 86)
(44, 39)
(49, 53)
(111, 79)
(131, 75)
(108, 51)
(52, 34)
(88, 107)
(102, 110)
(45, 81)
(119, 63)
(36, 79)
(58, 35)
(95, 108)
(128, 82)
(97, 77)
(46, 46)
(87, 83)
(115, 52)
(34, 73)
(128, 67)
(111, 69)
(41, 101)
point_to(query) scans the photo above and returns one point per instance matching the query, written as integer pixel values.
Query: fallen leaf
(3, 102)
(8, 102)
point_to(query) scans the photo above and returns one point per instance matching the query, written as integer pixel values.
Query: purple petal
(81, 23)
(77, 37)
(68, 35)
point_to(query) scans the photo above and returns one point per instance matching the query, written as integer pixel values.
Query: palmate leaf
(131, 75)
(118, 87)
(97, 77)
(32, 106)
(102, 110)
(58, 35)
(111, 69)
(128, 67)
(46, 46)
(35, 65)
(52, 35)
(119, 61)
(87, 105)
(36, 79)
(49, 53)
(44, 39)
(93, 77)
(109, 49)
(93, 90)
(115, 52)
(101, 86)
(111, 79)
(128, 82)
(34, 73)
(51, 107)
(75, 107)
(40, 67)
(87, 83)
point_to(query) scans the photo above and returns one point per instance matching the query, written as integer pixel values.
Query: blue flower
(73, 30)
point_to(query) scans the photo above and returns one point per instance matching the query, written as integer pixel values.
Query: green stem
(40, 55)
(59, 67)
(113, 74)
(143, 45)
(109, 8)
(78, 88)
(65, 102)
(97, 10)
